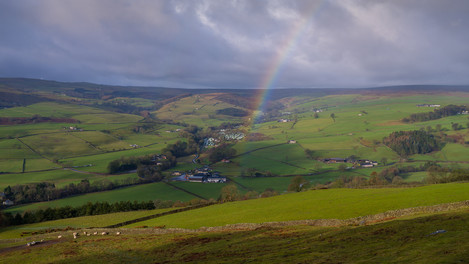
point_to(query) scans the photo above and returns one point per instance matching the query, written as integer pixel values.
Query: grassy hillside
(145, 192)
(117, 122)
(402, 241)
(78, 222)
(200, 110)
(319, 204)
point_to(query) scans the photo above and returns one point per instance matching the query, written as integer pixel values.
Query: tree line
(125, 164)
(449, 110)
(45, 191)
(89, 208)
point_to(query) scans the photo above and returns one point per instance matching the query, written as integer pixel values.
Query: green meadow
(360, 124)
(144, 192)
(197, 110)
(79, 222)
(317, 204)
(399, 241)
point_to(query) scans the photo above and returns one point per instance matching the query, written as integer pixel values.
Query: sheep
(95, 233)
(59, 237)
(104, 233)
(118, 233)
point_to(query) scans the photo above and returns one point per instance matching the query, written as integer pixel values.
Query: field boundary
(186, 191)
(253, 150)
(158, 215)
(29, 147)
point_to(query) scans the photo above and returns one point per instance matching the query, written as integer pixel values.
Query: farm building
(216, 179)
(8, 203)
(197, 178)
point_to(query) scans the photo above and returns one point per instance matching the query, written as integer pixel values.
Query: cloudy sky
(237, 43)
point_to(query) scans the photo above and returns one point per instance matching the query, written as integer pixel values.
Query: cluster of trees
(151, 173)
(230, 193)
(181, 149)
(69, 212)
(125, 164)
(407, 143)
(44, 191)
(224, 151)
(438, 174)
(227, 125)
(231, 111)
(449, 110)
(298, 184)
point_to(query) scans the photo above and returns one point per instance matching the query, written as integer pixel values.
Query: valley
(312, 155)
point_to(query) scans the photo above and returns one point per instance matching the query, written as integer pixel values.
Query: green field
(361, 122)
(79, 222)
(198, 110)
(318, 204)
(145, 192)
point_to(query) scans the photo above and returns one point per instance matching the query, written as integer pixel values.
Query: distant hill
(23, 92)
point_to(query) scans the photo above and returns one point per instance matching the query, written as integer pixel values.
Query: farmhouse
(428, 105)
(176, 173)
(8, 203)
(367, 163)
(216, 179)
(203, 174)
(197, 178)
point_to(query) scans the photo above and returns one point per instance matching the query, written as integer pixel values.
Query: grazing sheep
(88, 234)
(84, 233)
(95, 233)
(118, 233)
(59, 237)
(104, 233)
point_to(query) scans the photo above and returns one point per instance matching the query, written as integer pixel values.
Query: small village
(204, 175)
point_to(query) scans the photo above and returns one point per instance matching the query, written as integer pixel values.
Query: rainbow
(269, 79)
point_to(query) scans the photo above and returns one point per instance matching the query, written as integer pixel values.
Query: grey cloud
(209, 43)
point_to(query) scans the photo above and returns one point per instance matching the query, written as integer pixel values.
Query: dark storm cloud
(192, 43)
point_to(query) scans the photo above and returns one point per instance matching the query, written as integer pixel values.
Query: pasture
(144, 192)
(395, 241)
(318, 204)
(79, 222)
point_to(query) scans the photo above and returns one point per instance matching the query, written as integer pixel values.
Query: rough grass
(79, 222)
(401, 241)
